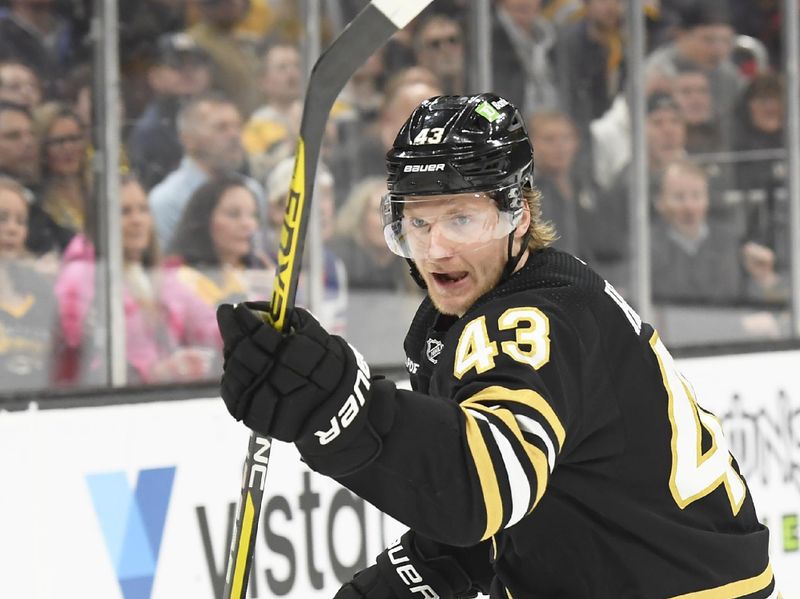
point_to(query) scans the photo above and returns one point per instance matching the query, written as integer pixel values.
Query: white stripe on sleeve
(519, 483)
(529, 425)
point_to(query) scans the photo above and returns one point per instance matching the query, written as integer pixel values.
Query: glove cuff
(411, 576)
(342, 442)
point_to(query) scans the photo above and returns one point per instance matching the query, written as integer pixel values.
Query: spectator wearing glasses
(26, 297)
(181, 71)
(66, 179)
(438, 44)
(19, 84)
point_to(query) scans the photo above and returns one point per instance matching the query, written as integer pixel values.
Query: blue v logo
(133, 523)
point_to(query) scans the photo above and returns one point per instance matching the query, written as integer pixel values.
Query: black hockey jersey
(550, 430)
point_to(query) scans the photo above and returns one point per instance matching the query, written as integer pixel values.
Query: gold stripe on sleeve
(740, 588)
(526, 397)
(486, 475)
(536, 456)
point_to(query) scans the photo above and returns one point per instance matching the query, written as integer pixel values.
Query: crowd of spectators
(212, 94)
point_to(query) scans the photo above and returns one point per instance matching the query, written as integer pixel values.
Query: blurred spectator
(280, 83)
(568, 200)
(210, 130)
(234, 62)
(181, 72)
(212, 260)
(65, 173)
(401, 97)
(665, 136)
(140, 23)
(332, 311)
(18, 145)
(364, 91)
(692, 259)
(26, 298)
(438, 43)
(257, 23)
(359, 241)
(78, 93)
(590, 58)
(34, 32)
(763, 21)
(692, 92)
(760, 128)
(760, 122)
(78, 96)
(562, 12)
(705, 40)
(522, 63)
(19, 160)
(611, 133)
(19, 84)
(152, 337)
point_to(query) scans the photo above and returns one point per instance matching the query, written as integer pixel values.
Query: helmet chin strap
(415, 274)
(511, 263)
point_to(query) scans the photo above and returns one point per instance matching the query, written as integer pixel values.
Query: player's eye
(417, 223)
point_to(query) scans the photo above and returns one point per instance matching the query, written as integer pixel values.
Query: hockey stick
(371, 28)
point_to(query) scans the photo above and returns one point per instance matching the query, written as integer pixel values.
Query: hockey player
(549, 447)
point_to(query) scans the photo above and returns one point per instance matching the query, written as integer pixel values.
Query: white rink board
(52, 544)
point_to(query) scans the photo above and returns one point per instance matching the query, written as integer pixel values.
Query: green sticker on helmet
(487, 111)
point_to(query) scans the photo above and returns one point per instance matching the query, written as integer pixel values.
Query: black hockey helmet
(455, 145)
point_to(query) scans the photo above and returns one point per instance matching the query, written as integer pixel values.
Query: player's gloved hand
(367, 584)
(402, 572)
(305, 386)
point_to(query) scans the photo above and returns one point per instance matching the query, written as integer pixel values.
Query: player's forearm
(423, 475)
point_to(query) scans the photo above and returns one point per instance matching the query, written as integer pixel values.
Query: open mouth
(449, 278)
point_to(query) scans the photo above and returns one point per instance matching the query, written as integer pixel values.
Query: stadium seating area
(210, 104)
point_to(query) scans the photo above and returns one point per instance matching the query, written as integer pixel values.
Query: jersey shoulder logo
(433, 347)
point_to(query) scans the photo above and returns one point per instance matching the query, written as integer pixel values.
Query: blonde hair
(9, 184)
(349, 219)
(542, 232)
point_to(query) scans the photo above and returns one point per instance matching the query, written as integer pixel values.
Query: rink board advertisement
(137, 501)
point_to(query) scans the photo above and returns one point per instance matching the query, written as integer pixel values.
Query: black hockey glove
(305, 386)
(401, 572)
(367, 584)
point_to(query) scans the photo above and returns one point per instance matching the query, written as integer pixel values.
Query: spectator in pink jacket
(157, 346)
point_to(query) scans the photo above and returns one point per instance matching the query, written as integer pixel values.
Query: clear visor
(420, 227)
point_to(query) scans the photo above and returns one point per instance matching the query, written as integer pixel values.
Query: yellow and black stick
(371, 28)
